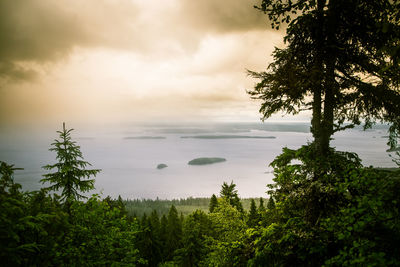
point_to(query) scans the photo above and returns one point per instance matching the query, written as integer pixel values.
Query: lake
(129, 154)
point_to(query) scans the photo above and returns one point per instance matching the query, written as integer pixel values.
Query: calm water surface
(128, 158)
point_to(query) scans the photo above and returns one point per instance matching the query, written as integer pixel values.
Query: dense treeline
(138, 207)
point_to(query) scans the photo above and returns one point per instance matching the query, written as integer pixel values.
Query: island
(229, 137)
(205, 161)
(162, 166)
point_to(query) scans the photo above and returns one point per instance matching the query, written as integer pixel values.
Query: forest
(341, 62)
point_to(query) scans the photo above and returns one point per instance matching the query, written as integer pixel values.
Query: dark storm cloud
(36, 30)
(44, 31)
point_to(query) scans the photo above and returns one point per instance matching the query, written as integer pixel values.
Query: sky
(131, 60)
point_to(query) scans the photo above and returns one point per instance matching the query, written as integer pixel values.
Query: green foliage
(149, 242)
(366, 230)
(196, 229)
(70, 175)
(213, 203)
(271, 204)
(228, 245)
(174, 233)
(343, 214)
(116, 203)
(15, 221)
(99, 235)
(230, 194)
(253, 216)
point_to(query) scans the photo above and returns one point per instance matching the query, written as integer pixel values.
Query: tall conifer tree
(341, 62)
(70, 175)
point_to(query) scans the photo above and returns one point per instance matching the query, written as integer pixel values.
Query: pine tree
(213, 203)
(71, 175)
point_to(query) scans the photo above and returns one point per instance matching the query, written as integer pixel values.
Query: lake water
(128, 156)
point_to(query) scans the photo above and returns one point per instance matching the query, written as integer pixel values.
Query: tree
(271, 204)
(14, 220)
(253, 218)
(230, 194)
(174, 232)
(149, 244)
(99, 236)
(70, 174)
(117, 204)
(227, 244)
(341, 62)
(164, 237)
(261, 211)
(348, 217)
(213, 203)
(196, 228)
(261, 207)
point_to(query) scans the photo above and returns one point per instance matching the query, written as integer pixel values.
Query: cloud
(14, 72)
(45, 31)
(127, 59)
(223, 16)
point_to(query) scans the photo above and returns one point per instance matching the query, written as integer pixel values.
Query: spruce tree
(230, 193)
(174, 232)
(261, 208)
(70, 175)
(252, 219)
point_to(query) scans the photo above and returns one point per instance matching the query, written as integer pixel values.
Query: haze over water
(128, 155)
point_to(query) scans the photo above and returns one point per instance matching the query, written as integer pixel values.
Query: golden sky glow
(125, 60)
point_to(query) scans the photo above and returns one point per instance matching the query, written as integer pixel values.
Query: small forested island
(228, 137)
(162, 166)
(205, 161)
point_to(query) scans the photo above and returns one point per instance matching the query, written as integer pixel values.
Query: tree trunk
(317, 78)
(330, 84)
